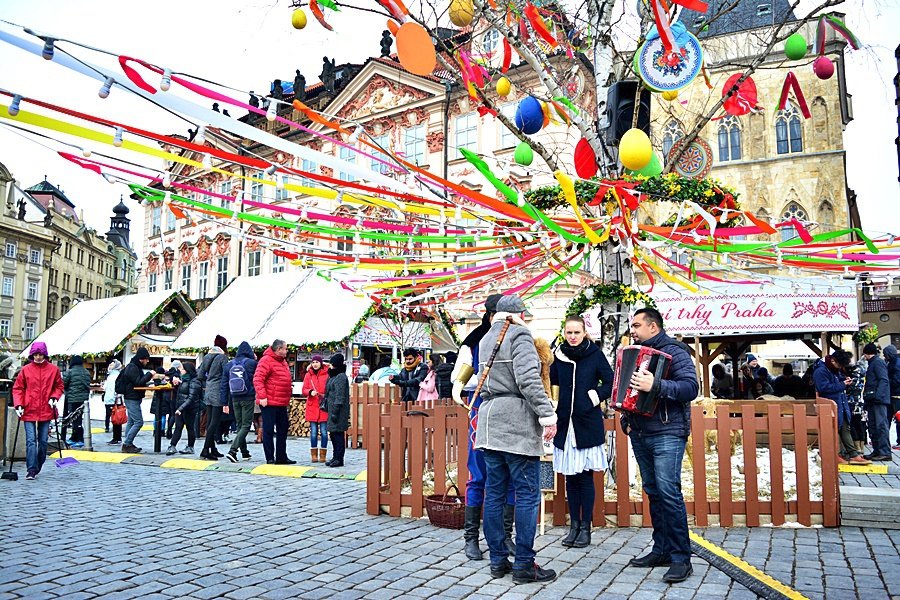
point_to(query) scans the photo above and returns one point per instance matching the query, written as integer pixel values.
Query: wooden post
(623, 501)
(776, 467)
(396, 459)
(417, 464)
(828, 449)
(801, 457)
(751, 483)
(373, 461)
(723, 449)
(698, 460)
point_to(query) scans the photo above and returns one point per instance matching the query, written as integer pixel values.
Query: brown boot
(314, 454)
(323, 454)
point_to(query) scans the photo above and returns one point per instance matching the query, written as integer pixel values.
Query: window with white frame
(254, 260)
(29, 330)
(34, 257)
(9, 284)
(309, 167)
(281, 191)
(155, 219)
(466, 127)
(507, 138)
(202, 279)
(414, 144)
(32, 293)
(151, 282)
(729, 139)
(4, 328)
(225, 190)
(382, 141)
(10, 249)
(256, 187)
(221, 273)
(490, 42)
(186, 279)
(347, 155)
(167, 279)
(792, 211)
(170, 220)
(278, 263)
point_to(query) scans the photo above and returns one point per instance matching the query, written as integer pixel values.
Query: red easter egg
(585, 159)
(823, 67)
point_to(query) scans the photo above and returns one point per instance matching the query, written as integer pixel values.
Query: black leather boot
(509, 513)
(583, 539)
(471, 531)
(574, 528)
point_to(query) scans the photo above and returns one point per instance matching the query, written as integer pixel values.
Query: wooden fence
(404, 445)
(365, 394)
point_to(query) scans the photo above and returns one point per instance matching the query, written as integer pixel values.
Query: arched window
(792, 211)
(788, 132)
(672, 132)
(729, 139)
(491, 41)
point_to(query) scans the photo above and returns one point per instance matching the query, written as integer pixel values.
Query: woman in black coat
(187, 404)
(584, 378)
(337, 401)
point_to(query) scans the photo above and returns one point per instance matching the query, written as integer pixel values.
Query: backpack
(237, 378)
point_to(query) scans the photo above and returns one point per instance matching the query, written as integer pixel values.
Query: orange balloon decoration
(415, 49)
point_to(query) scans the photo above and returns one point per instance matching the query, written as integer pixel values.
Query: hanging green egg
(524, 154)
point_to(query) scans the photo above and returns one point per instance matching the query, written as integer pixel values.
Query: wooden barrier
(383, 395)
(406, 443)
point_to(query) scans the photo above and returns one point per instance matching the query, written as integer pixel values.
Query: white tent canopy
(297, 306)
(102, 326)
(790, 350)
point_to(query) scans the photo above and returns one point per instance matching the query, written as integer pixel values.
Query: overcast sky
(247, 43)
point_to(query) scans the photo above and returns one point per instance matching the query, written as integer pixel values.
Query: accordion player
(630, 359)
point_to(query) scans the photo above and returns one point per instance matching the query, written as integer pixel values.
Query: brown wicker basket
(447, 510)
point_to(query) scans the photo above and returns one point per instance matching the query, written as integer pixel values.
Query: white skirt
(572, 461)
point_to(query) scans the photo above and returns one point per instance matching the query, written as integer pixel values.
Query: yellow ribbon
(568, 189)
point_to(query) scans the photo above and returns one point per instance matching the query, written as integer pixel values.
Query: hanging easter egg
(415, 49)
(298, 19)
(653, 168)
(461, 12)
(503, 87)
(585, 159)
(524, 155)
(529, 115)
(670, 95)
(795, 47)
(823, 67)
(635, 150)
(742, 101)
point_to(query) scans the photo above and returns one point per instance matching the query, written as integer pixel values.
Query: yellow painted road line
(188, 464)
(361, 476)
(101, 457)
(867, 469)
(779, 589)
(280, 470)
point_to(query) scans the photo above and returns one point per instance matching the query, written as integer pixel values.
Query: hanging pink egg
(823, 67)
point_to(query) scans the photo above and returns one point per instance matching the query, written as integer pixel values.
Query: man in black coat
(411, 375)
(893, 367)
(133, 376)
(658, 442)
(77, 383)
(788, 384)
(877, 400)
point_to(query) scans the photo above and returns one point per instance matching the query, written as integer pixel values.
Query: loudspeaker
(620, 106)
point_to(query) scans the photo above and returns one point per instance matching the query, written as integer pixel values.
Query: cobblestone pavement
(124, 531)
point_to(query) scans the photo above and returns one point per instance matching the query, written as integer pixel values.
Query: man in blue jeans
(658, 442)
(515, 412)
(133, 376)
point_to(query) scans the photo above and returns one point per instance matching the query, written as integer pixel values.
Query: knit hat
(76, 361)
(115, 365)
(142, 354)
(221, 343)
(762, 373)
(337, 360)
(870, 348)
(38, 348)
(510, 304)
(317, 358)
(176, 364)
(490, 304)
(751, 357)
(160, 371)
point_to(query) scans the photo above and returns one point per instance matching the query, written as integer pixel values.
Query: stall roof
(790, 350)
(104, 326)
(297, 306)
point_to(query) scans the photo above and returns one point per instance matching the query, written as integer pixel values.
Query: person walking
(893, 368)
(211, 374)
(35, 393)
(515, 414)
(831, 381)
(658, 443)
(109, 399)
(583, 378)
(237, 387)
(314, 383)
(77, 384)
(411, 375)
(131, 377)
(272, 382)
(877, 400)
(187, 404)
(337, 402)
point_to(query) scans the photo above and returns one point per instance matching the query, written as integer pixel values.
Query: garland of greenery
(708, 193)
(866, 335)
(448, 325)
(603, 293)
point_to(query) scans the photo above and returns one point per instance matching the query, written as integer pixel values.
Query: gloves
(595, 398)
(20, 411)
(53, 402)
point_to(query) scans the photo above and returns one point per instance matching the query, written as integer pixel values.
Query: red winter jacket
(315, 381)
(272, 379)
(35, 385)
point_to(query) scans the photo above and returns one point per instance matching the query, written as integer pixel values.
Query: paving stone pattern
(126, 531)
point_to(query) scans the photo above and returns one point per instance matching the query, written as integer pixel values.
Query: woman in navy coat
(584, 378)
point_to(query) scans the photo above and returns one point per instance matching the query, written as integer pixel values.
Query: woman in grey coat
(337, 403)
(210, 373)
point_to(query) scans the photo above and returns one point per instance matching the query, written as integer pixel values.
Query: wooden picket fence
(366, 394)
(402, 445)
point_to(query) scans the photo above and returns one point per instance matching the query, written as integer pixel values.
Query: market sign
(818, 306)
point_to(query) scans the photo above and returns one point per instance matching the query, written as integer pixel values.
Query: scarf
(578, 352)
(413, 366)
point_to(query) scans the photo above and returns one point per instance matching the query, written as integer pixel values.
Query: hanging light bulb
(304, 214)
(723, 218)
(200, 138)
(839, 254)
(109, 178)
(167, 198)
(354, 137)
(340, 197)
(279, 183)
(167, 179)
(477, 236)
(520, 200)
(47, 52)
(106, 87)
(272, 111)
(117, 138)
(271, 170)
(14, 105)
(166, 81)
(458, 213)
(86, 152)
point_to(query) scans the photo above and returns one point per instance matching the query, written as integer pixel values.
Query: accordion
(634, 358)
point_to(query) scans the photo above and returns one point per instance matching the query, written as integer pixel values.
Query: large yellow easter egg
(635, 150)
(298, 19)
(461, 12)
(503, 87)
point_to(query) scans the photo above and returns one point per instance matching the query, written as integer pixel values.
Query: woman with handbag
(109, 402)
(428, 388)
(582, 378)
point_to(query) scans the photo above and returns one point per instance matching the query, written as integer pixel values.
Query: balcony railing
(881, 305)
